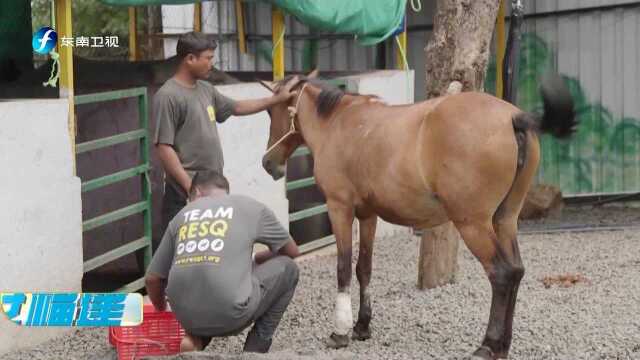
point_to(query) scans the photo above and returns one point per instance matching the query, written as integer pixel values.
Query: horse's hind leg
(500, 258)
(505, 268)
(507, 235)
(361, 330)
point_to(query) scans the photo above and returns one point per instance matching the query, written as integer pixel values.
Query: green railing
(309, 212)
(142, 170)
(309, 182)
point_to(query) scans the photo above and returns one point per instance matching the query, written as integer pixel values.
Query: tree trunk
(152, 47)
(456, 60)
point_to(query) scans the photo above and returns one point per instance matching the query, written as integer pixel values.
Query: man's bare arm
(156, 290)
(252, 106)
(290, 249)
(172, 165)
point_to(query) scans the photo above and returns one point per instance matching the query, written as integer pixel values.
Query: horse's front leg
(361, 330)
(341, 216)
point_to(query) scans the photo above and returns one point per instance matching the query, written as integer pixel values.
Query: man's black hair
(207, 179)
(194, 43)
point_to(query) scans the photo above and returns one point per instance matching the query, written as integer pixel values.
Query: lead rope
(293, 111)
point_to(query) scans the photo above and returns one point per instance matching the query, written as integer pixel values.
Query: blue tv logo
(72, 309)
(44, 40)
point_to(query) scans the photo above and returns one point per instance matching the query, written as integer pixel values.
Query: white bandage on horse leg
(344, 318)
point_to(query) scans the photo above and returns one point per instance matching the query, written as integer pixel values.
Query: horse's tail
(558, 118)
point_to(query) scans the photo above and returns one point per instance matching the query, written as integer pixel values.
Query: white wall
(41, 216)
(394, 86)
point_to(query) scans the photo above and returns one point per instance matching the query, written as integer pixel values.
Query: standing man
(204, 266)
(187, 109)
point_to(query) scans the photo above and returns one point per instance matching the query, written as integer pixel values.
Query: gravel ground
(594, 320)
(608, 215)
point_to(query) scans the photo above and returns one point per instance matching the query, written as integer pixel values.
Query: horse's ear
(293, 82)
(314, 74)
(268, 85)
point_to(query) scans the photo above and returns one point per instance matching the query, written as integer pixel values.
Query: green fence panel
(297, 184)
(114, 216)
(141, 170)
(132, 286)
(301, 151)
(303, 214)
(115, 177)
(116, 253)
(110, 96)
(110, 141)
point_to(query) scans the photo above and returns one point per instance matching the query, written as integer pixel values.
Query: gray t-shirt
(206, 256)
(186, 119)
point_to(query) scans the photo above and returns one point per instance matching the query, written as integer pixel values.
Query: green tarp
(147, 2)
(371, 21)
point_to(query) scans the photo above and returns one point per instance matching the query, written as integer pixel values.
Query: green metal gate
(142, 170)
(309, 212)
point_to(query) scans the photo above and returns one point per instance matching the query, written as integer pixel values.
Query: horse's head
(284, 135)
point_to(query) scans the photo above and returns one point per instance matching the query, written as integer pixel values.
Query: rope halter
(293, 112)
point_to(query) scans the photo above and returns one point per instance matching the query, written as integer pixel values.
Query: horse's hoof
(483, 353)
(360, 333)
(336, 341)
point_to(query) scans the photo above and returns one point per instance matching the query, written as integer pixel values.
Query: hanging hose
(417, 8)
(280, 39)
(402, 53)
(405, 62)
(55, 70)
(510, 67)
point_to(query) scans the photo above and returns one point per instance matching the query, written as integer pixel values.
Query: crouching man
(204, 267)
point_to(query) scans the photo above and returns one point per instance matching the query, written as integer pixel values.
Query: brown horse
(468, 158)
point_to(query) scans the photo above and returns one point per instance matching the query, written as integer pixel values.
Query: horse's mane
(328, 98)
